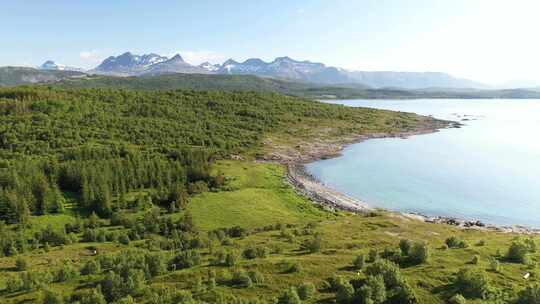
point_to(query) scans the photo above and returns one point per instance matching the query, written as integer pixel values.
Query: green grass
(259, 196)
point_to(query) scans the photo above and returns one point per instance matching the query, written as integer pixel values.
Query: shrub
(405, 246)
(49, 297)
(242, 279)
(230, 259)
(475, 260)
(290, 296)
(457, 299)
(306, 291)
(313, 245)
(92, 296)
(256, 277)
(344, 293)
(290, 267)
(472, 283)
(494, 265)
(359, 262)
(404, 294)
(529, 295)
(373, 291)
(186, 259)
(373, 255)
(388, 270)
(256, 252)
(518, 252)
(66, 272)
(455, 242)
(91, 267)
(419, 253)
(123, 238)
(21, 264)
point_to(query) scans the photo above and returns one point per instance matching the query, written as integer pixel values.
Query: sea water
(488, 170)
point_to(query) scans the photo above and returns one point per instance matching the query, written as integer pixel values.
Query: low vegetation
(115, 196)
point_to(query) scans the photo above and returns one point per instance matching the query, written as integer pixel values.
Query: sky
(492, 41)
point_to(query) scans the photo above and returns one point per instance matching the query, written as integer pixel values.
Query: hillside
(13, 76)
(117, 196)
(202, 82)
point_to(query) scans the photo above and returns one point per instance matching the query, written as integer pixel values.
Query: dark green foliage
(359, 262)
(373, 291)
(67, 271)
(455, 242)
(186, 259)
(289, 296)
(419, 253)
(89, 296)
(306, 291)
(472, 283)
(529, 295)
(519, 251)
(344, 292)
(256, 252)
(313, 245)
(49, 297)
(91, 267)
(405, 246)
(242, 279)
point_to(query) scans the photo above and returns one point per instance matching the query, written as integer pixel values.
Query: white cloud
(92, 56)
(200, 56)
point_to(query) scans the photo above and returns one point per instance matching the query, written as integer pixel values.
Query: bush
(306, 291)
(344, 293)
(230, 259)
(290, 296)
(256, 277)
(256, 252)
(475, 260)
(242, 279)
(373, 291)
(123, 238)
(494, 265)
(455, 242)
(49, 297)
(66, 272)
(313, 245)
(359, 262)
(457, 299)
(529, 295)
(472, 283)
(388, 270)
(419, 253)
(186, 259)
(518, 252)
(21, 264)
(405, 246)
(91, 267)
(290, 267)
(92, 296)
(373, 255)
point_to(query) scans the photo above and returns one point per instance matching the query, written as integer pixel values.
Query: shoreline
(309, 186)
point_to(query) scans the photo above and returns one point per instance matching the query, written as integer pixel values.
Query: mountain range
(128, 64)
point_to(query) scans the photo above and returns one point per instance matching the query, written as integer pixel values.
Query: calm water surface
(487, 170)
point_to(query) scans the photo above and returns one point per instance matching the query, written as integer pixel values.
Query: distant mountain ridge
(129, 64)
(50, 65)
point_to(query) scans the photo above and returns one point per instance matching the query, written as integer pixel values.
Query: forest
(123, 196)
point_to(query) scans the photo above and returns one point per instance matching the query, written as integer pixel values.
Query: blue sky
(486, 40)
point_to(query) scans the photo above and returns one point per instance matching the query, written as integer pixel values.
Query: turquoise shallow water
(487, 170)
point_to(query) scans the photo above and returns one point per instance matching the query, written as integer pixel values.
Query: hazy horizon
(487, 41)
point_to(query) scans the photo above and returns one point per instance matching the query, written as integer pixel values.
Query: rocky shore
(327, 197)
